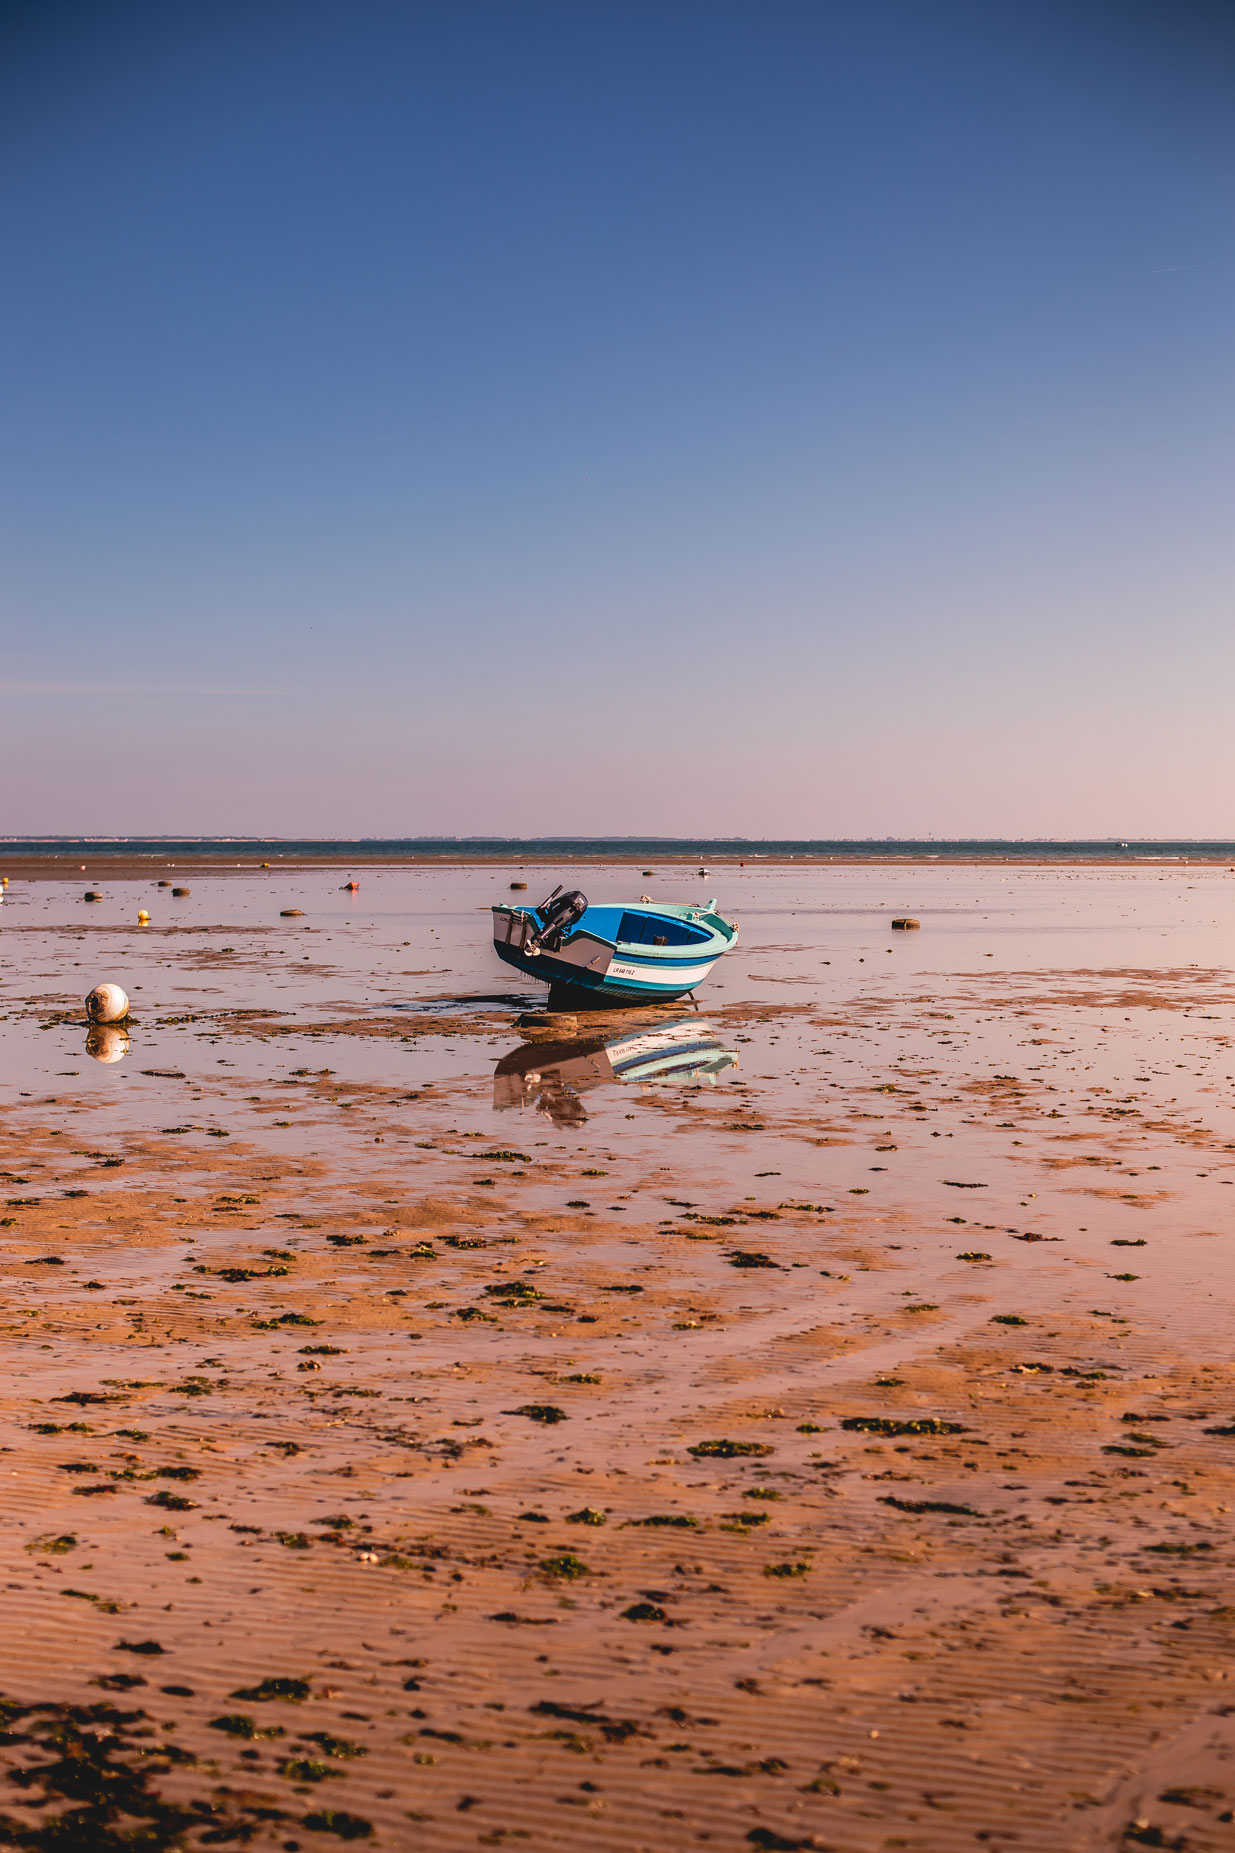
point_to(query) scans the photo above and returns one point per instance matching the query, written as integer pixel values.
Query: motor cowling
(557, 915)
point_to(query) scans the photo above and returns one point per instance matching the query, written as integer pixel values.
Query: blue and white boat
(638, 952)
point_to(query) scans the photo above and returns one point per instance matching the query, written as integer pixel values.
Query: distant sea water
(359, 850)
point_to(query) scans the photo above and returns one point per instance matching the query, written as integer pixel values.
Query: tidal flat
(829, 1445)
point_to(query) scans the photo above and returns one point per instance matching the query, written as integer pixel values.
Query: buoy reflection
(106, 1043)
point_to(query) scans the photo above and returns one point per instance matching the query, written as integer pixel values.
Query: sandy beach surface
(424, 1427)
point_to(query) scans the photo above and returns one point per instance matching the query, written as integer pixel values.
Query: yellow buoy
(143, 918)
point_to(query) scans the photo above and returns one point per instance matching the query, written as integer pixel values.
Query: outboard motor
(557, 915)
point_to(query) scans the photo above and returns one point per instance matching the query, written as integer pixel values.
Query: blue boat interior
(621, 927)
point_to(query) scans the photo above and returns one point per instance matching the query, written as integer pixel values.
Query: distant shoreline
(118, 863)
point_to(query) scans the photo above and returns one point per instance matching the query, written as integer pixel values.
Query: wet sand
(112, 865)
(410, 1437)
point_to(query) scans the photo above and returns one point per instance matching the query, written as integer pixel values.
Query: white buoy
(106, 1043)
(107, 1003)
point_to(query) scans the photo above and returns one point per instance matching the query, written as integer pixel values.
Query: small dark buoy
(904, 925)
(518, 884)
(649, 871)
(92, 894)
(290, 913)
(179, 891)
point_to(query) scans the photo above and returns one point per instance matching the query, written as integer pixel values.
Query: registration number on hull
(681, 979)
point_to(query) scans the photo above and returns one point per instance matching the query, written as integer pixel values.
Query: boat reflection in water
(551, 1075)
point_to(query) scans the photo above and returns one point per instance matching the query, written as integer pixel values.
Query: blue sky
(779, 419)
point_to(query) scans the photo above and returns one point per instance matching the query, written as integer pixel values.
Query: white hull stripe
(681, 977)
(619, 976)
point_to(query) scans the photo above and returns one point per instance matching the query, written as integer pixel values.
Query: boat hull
(622, 981)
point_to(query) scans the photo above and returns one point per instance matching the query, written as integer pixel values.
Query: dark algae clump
(565, 1564)
(337, 1822)
(90, 1774)
(728, 1450)
(239, 1724)
(927, 1505)
(293, 1690)
(891, 1425)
